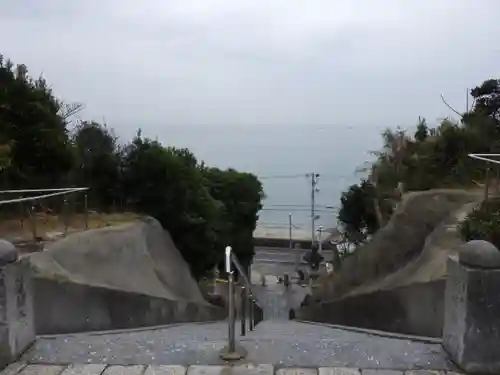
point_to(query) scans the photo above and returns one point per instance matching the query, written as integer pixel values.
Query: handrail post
(230, 283)
(243, 310)
(230, 352)
(231, 328)
(250, 313)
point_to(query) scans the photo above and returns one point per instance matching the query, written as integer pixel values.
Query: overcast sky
(264, 64)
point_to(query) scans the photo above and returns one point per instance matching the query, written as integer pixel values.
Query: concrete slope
(401, 241)
(112, 278)
(139, 257)
(431, 263)
(399, 277)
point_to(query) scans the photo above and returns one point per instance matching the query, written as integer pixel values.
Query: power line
(283, 176)
(302, 175)
(297, 210)
(296, 205)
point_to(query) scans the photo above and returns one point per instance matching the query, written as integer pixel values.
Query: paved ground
(21, 369)
(282, 343)
(276, 300)
(193, 348)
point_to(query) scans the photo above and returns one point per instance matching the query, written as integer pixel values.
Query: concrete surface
(245, 369)
(276, 300)
(431, 263)
(409, 299)
(472, 327)
(17, 330)
(8, 252)
(479, 254)
(416, 309)
(116, 277)
(413, 247)
(136, 257)
(283, 343)
(63, 307)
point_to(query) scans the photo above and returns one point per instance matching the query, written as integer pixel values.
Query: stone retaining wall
(417, 309)
(62, 307)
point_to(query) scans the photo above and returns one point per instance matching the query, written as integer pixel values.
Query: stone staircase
(276, 345)
(280, 343)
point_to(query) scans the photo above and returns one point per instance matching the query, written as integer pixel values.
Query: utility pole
(320, 238)
(290, 232)
(466, 100)
(314, 181)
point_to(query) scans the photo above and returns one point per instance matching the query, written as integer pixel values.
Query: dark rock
(8, 252)
(479, 253)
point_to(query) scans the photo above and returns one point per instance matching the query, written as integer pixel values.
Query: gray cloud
(270, 63)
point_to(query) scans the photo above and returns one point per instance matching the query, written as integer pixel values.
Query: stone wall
(17, 330)
(471, 332)
(416, 309)
(62, 307)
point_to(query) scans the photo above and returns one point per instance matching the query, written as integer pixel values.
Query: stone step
(244, 369)
(281, 343)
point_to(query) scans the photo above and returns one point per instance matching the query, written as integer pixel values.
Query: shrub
(483, 223)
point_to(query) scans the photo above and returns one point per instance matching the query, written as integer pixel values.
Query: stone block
(165, 370)
(471, 332)
(42, 370)
(381, 372)
(297, 371)
(246, 369)
(80, 369)
(124, 370)
(338, 371)
(17, 329)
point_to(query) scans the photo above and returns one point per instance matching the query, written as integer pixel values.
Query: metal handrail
(231, 351)
(239, 268)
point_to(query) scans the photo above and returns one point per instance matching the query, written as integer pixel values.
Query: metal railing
(43, 195)
(249, 308)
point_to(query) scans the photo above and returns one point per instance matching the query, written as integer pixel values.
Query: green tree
(167, 184)
(487, 99)
(40, 152)
(241, 197)
(203, 208)
(422, 131)
(97, 163)
(4, 157)
(357, 213)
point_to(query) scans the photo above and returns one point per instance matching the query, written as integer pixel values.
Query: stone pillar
(17, 328)
(471, 332)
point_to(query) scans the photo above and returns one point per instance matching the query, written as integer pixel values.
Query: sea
(282, 157)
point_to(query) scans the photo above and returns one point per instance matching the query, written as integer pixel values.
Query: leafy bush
(483, 223)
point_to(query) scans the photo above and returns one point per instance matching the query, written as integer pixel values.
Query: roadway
(276, 261)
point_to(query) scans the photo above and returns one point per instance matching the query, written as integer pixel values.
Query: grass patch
(53, 225)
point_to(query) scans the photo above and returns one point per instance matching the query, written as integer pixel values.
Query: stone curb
(21, 368)
(126, 330)
(401, 336)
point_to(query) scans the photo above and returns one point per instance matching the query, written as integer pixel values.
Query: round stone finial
(8, 252)
(479, 253)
